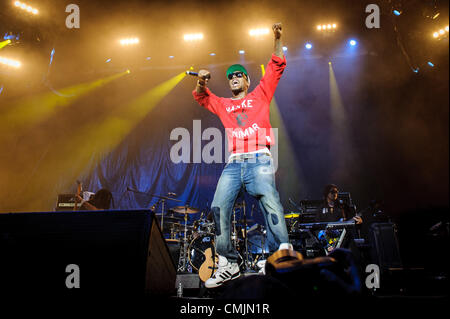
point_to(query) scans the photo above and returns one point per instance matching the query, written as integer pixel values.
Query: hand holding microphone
(203, 75)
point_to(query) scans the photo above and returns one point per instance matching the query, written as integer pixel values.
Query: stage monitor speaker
(385, 249)
(101, 251)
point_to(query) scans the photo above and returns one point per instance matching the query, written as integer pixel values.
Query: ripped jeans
(254, 173)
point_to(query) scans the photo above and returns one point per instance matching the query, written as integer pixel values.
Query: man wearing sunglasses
(246, 119)
(333, 210)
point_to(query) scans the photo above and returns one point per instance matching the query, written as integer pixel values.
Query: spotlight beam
(340, 142)
(27, 112)
(4, 43)
(291, 173)
(91, 142)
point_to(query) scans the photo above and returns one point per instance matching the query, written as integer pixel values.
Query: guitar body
(208, 268)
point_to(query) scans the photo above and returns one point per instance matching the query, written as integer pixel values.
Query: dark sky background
(396, 120)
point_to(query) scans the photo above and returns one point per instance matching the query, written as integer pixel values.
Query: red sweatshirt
(247, 120)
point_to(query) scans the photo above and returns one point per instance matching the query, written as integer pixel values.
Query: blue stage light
(397, 12)
(109, 60)
(284, 49)
(352, 42)
(431, 64)
(308, 46)
(212, 54)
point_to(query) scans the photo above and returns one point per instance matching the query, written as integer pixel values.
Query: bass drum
(198, 248)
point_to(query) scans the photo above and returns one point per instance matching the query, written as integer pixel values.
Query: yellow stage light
(25, 113)
(319, 27)
(334, 26)
(4, 43)
(435, 35)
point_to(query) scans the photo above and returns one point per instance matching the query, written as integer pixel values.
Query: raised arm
(277, 44)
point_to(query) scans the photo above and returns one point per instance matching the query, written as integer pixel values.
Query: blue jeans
(254, 173)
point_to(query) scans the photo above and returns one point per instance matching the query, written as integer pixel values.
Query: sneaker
(262, 263)
(287, 246)
(262, 266)
(226, 271)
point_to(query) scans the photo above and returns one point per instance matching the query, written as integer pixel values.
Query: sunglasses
(237, 74)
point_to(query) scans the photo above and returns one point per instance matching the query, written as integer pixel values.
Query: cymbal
(291, 215)
(169, 218)
(184, 210)
(172, 240)
(165, 197)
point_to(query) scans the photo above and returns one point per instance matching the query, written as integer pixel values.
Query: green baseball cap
(235, 68)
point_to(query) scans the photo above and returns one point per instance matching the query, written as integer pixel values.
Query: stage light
(397, 12)
(107, 61)
(441, 33)
(193, 37)
(26, 7)
(128, 71)
(308, 46)
(148, 58)
(129, 41)
(329, 27)
(258, 32)
(171, 56)
(284, 49)
(241, 51)
(352, 42)
(212, 54)
(9, 62)
(431, 64)
(4, 44)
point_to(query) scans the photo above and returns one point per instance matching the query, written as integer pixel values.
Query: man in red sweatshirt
(246, 119)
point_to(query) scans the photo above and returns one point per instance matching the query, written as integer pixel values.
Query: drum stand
(183, 265)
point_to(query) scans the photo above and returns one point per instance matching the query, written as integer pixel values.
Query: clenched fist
(277, 30)
(204, 75)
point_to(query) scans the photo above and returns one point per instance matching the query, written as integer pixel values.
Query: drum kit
(194, 237)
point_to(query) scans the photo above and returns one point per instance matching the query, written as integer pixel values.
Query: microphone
(196, 74)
